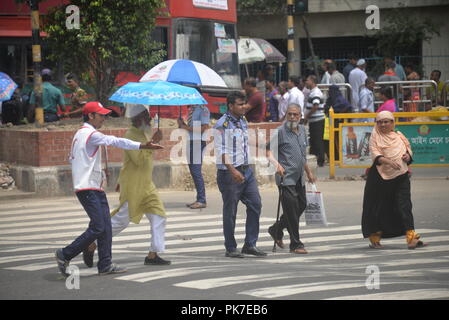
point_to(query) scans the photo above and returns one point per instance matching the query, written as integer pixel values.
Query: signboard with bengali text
(429, 142)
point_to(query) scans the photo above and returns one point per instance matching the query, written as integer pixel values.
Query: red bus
(191, 29)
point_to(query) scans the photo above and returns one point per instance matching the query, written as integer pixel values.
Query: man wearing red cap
(88, 184)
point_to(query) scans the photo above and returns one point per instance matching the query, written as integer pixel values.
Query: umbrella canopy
(184, 72)
(159, 93)
(7, 87)
(253, 50)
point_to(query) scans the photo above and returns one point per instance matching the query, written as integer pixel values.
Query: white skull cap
(133, 109)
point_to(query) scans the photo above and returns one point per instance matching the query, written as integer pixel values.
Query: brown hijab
(392, 145)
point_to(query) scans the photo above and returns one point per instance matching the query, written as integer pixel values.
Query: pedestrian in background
(235, 178)
(315, 118)
(52, 98)
(197, 122)
(386, 95)
(352, 62)
(78, 98)
(357, 79)
(398, 69)
(335, 75)
(272, 103)
(255, 108)
(295, 95)
(389, 74)
(387, 205)
(290, 163)
(88, 184)
(283, 98)
(366, 101)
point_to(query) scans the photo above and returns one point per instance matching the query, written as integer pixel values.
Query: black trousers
(316, 130)
(294, 203)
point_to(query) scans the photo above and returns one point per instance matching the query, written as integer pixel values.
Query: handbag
(315, 213)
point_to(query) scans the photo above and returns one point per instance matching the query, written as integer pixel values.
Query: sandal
(416, 243)
(376, 245)
(299, 251)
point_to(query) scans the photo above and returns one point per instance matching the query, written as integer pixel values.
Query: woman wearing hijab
(387, 206)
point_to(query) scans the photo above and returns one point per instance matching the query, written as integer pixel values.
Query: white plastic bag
(315, 213)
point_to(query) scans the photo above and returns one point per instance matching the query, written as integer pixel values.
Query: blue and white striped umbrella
(160, 93)
(184, 72)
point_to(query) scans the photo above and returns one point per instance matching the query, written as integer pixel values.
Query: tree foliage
(401, 32)
(114, 36)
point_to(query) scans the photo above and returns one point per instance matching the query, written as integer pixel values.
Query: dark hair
(294, 79)
(437, 71)
(390, 65)
(331, 66)
(233, 96)
(352, 56)
(313, 78)
(46, 77)
(73, 77)
(251, 82)
(369, 79)
(86, 118)
(387, 92)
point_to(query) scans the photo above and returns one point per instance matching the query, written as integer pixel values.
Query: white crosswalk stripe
(30, 234)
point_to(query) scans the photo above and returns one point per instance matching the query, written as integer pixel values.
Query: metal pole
(290, 37)
(36, 52)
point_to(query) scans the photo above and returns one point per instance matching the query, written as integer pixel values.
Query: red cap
(95, 107)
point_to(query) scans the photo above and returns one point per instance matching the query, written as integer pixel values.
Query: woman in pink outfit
(389, 104)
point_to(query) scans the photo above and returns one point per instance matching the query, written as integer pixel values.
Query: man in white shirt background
(357, 79)
(295, 94)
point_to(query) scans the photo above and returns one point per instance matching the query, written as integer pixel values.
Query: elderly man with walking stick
(290, 141)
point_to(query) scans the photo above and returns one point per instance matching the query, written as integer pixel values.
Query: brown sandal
(376, 245)
(299, 251)
(416, 243)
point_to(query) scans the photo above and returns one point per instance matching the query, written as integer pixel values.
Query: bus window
(160, 34)
(196, 40)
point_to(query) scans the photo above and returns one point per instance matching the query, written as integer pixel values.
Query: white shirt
(296, 96)
(357, 79)
(86, 160)
(326, 78)
(283, 104)
(366, 104)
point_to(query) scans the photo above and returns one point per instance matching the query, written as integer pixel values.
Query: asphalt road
(339, 264)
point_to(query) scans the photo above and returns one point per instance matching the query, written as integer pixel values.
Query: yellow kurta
(136, 181)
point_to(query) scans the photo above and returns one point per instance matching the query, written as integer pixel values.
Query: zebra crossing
(335, 268)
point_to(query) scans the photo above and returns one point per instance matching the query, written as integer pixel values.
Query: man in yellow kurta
(138, 194)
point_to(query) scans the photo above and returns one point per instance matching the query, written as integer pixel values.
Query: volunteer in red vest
(87, 176)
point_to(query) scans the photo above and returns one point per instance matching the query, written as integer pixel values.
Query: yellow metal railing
(346, 116)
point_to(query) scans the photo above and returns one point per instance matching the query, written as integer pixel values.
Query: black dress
(387, 205)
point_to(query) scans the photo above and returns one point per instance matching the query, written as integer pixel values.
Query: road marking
(211, 283)
(295, 289)
(419, 294)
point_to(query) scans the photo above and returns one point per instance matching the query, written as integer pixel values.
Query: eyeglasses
(384, 121)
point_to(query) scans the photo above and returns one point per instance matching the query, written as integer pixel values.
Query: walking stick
(277, 216)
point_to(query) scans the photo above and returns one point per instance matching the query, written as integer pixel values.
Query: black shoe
(113, 269)
(234, 254)
(253, 251)
(88, 258)
(62, 262)
(156, 261)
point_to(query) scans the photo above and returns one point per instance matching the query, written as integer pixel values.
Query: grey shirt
(291, 153)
